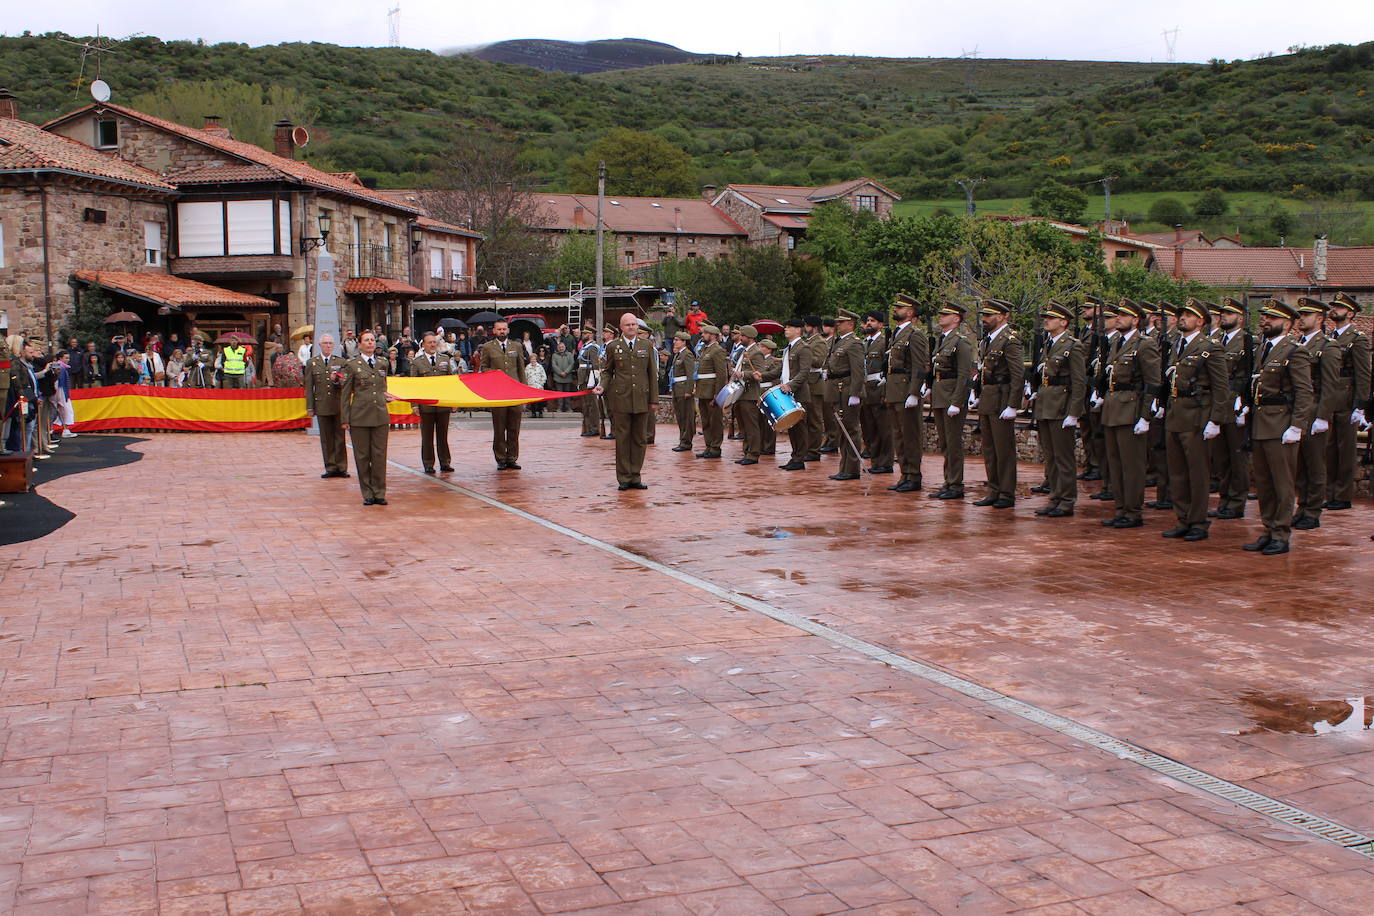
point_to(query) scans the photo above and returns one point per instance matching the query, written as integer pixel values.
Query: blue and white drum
(781, 409)
(728, 395)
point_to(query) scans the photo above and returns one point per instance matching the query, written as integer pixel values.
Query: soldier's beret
(994, 307)
(1348, 301)
(1196, 307)
(682, 335)
(904, 298)
(1055, 309)
(710, 329)
(950, 307)
(748, 330)
(1230, 305)
(1275, 308)
(769, 343)
(1310, 306)
(845, 315)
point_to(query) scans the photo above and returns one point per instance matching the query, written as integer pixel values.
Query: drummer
(791, 371)
(709, 379)
(771, 363)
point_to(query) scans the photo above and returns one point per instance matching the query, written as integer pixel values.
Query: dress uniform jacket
(1198, 386)
(1237, 379)
(796, 359)
(1001, 373)
(1133, 377)
(511, 360)
(681, 371)
(875, 369)
(1282, 392)
(1348, 388)
(1350, 391)
(952, 365)
(362, 408)
(321, 386)
(1310, 479)
(908, 364)
(751, 360)
(1060, 395)
(844, 369)
(630, 380)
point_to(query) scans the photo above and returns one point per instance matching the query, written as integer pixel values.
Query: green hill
(1302, 120)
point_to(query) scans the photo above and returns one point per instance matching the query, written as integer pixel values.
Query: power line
(1171, 43)
(393, 26)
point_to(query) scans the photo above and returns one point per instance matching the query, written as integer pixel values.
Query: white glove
(1142, 426)
(952, 410)
(1290, 435)
(1008, 413)
(911, 401)
(1211, 430)
(1357, 417)
(1240, 417)
(1027, 387)
(1319, 426)
(853, 401)
(1157, 409)
(825, 374)
(1094, 400)
(1237, 407)
(925, 390)
(1070, 422)
(972, 401)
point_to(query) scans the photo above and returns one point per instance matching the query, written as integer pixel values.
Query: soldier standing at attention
(1167, 338)
(951, 370)
(815, 388)
(681, 371)
(748, 368)
(630, 382)
(1090, 427)
(1310, 480)
(712, 369)
(873, 416)
(830, 436)
(1000, 377)
(363, 411)
(433, 420)
(588, 366)
(323, 376)
(1132, 385)
(844, 372)
(794, 377)
(1283, 409)
(1057, 403)
(908, 366)
(1197, 405)
(1230, 460)
(608, 333)
(1347, 397)
(503, 355)
(769, 375)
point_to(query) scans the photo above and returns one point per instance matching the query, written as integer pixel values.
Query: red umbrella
(235, 337)
(768, 326)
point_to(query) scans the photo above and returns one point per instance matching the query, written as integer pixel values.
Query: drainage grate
(1302, 820)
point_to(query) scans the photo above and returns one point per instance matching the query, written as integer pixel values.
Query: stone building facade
(777, 215)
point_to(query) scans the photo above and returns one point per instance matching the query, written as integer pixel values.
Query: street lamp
(310, 243)
(416, 236)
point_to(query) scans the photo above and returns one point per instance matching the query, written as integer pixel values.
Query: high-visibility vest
(234, 363)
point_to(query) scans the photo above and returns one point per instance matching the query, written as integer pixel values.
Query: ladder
(575, 309)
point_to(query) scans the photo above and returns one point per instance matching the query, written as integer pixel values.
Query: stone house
(776, 215)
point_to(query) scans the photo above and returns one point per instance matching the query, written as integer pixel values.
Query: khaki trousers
(505, 433)
(873, 420)
(1189, 477)
(1094, 445)
(1340, 458)
(1061, 468)
(1231, 464)
(631, 436)
(591, 413)
(1126, 464)
(815, 426)
(712, 424)
(230, 381)
(1274, 464)
(749, 418)
(999, 455)
(332, 448)
(434, 435)
(369, 458)
(908, 434)
(1158, 458)
(1309, 483)
(686, 412)
(848, 417)
(950, 441)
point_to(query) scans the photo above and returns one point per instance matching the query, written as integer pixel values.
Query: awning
(379, 286)
(177, 292)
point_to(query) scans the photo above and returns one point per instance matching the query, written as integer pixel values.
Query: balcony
(442, 285)
(376, 261)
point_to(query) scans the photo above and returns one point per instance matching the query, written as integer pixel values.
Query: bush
(1169, 210)
(1211, 203)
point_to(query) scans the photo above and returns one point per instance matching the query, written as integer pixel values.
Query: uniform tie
(371, 363)
(432, 360)
(1264, 351)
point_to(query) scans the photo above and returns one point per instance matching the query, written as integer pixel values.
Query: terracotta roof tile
(1273, 267)
(170, 290)
(438, 225)
(27, 146)
(372, 286)
(219, 174)
(795, 199)
(645, 215)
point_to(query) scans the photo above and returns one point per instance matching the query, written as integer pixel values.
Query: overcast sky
(1075, 30)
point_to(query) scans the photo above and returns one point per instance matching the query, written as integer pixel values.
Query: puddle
(1302, 716)
(780, 532)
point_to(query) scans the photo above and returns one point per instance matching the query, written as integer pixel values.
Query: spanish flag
(470, 392)
(209, 410)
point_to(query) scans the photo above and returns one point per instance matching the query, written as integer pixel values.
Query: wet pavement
(249, 693)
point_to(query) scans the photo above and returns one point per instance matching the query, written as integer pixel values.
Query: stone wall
(636, 248)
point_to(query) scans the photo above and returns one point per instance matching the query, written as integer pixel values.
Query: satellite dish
(300, 136)
(100, 90)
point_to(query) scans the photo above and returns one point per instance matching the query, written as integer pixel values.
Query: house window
(691, 240)
(2, 244)
(1125, 254)
(458, 261)
(868, 202)
(629, 257)
(791, 242)
(359, 229)
(662, 239)
(436, 263)
(389, 235)
(663, 254)
(152, 244)
(106, 134)
(691, 254)
(214, 228)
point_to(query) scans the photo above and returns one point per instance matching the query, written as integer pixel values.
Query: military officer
(433, 420)
(711, 376)
(830, 437)
(1230, 460)
(817, 406)
(844, 372)
(501, 354)
(323, 376)
(1091, 334)
(873, 416)
(363, 412)
(1283, 410)
(951, 372)
(588, 369)
(1133, 379)
(793, 375)
(1347, 398)
(748, 369)
(1197, 404)
(629, 380)
(1166, 336)
(681, 371)
(1057, 402)
(1310, 479)
(908, 372)
(1000, 377)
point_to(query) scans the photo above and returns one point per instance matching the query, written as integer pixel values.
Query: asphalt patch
(29, 516)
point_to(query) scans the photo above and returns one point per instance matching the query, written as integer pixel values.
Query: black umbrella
(453, 324)
(484, 318)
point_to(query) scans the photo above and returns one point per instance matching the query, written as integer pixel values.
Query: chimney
(282, 144)
(9, 105)
(212, 126)
(677, 219)
(1319, 259)
(579, 216)
(708, 192)
(1178, 262)
(1178, 233)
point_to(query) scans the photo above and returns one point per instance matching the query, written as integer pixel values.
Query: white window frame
(152, 243)
(867, 202)
(436, 263)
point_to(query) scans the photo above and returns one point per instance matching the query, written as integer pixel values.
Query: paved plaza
(228, 687)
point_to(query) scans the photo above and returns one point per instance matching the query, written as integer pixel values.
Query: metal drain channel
(1309, 823)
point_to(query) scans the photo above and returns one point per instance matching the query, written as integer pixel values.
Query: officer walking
(951, 371)
(433, 420)
(362, 403)
(323, 376)
(1001, 376)
(503, 355)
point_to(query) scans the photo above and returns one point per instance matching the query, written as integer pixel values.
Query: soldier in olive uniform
(748, 368)
(873, 415)
(1000, 376)
(951, 373)
(1166, 336)
(830, 435)
(1198, 395)
(793, 375)
(1347, 397)
(681, 371)
(844, 373)
(1133, 378)
(588, 370)
(908, 371)
(1283, 410)
(629, 381)
(1230, 460)
(712, 373)
(1090, 422)
(323, 376)
(504, 355)
(362, 402)
(433, 420)
(1310, 480)
(816, 406)
(1057, 402)
(772, 370)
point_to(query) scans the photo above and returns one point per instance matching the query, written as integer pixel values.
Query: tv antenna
(393, 26)
(93, 49)
(1171, 43)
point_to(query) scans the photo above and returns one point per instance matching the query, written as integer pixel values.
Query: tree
(751, 283)
(1168, 210)
(247, 109)
(575, 262)
(481, 184)
(637, 163)
(1210, 203)
(1059, 201)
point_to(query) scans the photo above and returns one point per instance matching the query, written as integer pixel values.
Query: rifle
(1099, 365)
(1033, 376)
(1247, 392)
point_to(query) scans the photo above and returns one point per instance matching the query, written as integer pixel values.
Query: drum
(781, 409)
(728, 395)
